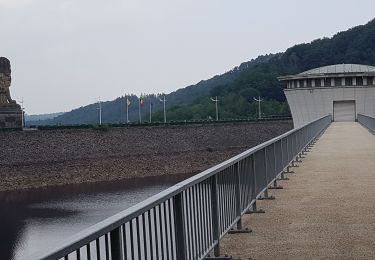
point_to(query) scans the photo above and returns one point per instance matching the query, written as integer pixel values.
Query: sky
(69, 53)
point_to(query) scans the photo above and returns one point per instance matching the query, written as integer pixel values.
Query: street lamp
(259, 109)
(217, 112)
(165, 113)
(100, 111)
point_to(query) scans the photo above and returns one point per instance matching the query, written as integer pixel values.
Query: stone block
(10, 118)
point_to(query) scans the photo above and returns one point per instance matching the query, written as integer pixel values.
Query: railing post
(116, 244)
(265, 196)
(254, 209)
(297, 145)
(215, 215)
(180, 232)
(287, 152)
(237, 194)
(274, 174)
(237, 191)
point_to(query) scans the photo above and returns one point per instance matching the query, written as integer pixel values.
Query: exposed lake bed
(72, 156)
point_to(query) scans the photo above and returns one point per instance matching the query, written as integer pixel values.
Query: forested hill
(115, 111)
(237, 87)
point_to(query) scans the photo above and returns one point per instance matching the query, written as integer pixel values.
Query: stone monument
(10, 112)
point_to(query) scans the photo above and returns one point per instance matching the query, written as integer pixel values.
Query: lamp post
(165, 113)
(259, 109)
(100, 111)
(217, 111)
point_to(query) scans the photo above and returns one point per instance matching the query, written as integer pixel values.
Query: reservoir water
(39, 219)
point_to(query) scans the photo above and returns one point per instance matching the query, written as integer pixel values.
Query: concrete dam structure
(342, 90)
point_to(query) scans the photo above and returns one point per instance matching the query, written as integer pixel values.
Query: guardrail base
(275, 187)
(257, 211)
(282, 177)
(239, 231)
(267, 198)
(224, 257)
(299, 157)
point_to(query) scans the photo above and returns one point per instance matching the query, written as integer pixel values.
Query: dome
(339, 68)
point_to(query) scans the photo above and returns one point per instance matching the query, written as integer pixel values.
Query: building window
(318, 82)
(359, 81)
(349, 81)
(301, 85)
(309, 82)
(327, 82)
(337, 82)
(295, 83)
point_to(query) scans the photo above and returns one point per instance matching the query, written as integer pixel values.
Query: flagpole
(165, 113)
(127, 110)
(217, 111)
(139, 110)
(100, 112)
(150, 111)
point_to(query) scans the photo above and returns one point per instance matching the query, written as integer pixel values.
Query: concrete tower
(342, 90)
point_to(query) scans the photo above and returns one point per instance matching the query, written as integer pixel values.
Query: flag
(141, 101)
(128, 101)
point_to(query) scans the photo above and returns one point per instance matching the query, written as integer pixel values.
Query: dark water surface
(35, 220)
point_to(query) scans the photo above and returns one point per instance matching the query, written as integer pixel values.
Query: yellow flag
(128, 101)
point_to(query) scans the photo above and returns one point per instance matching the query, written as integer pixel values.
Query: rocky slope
(59, 157)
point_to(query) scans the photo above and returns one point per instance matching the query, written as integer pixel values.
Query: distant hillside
(356, 45)
(236, 88)
(31, 118)
(115, 111)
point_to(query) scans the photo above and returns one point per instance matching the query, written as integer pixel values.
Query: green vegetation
(235, 89)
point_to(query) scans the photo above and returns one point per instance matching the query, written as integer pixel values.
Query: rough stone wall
(57, 157)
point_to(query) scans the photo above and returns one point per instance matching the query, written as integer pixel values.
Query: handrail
(187, 220)
(367, 121)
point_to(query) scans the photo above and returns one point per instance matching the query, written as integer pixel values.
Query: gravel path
(325, 211)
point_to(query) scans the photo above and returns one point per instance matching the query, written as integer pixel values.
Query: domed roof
(339, 68)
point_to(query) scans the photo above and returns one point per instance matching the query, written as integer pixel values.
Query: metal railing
(188, 220)
(367, 121)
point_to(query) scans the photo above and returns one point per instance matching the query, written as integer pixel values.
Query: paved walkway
(325, 211)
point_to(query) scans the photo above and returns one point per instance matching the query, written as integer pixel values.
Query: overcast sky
(67, 53)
